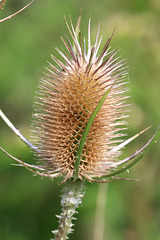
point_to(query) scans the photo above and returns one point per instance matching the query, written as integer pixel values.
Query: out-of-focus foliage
(28, 204)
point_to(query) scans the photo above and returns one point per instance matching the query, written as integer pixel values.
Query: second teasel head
(66, 98)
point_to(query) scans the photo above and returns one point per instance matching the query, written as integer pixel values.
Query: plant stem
(71, 198)
(99, 225)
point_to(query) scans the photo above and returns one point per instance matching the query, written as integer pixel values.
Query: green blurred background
(28, 204)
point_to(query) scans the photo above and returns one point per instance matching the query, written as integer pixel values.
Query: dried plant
(79, 118)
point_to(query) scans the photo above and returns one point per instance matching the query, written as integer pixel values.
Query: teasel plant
(79, 121)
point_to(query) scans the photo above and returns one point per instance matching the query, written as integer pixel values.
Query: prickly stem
(71, 199)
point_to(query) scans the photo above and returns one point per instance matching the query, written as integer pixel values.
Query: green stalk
(71, 198)
(99, 223)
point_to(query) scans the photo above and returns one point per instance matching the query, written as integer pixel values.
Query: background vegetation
(28, 204)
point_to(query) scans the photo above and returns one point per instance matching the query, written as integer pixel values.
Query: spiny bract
(66, 99)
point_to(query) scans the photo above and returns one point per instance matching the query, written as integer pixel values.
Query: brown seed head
(67, 97)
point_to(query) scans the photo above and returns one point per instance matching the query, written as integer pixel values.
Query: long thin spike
(107, 60)
(105, 47)
(96, 42)
(69, 47)
(89, 38)
(14, 14)
(76, 45)
(12, 127)
(135, 156)
(129, 140)
(20, 162)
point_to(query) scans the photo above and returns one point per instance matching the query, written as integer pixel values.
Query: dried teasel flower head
(66, 100)
(80, 113)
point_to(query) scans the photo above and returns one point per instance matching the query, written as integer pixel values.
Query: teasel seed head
(66, 99)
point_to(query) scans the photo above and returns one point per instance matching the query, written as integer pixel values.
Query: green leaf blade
(85, 133)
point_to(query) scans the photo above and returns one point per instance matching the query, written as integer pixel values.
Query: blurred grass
(28, 205)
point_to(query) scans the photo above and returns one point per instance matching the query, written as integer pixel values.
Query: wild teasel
(80, 113)
(67, 98)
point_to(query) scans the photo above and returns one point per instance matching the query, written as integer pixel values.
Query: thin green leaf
(84, 136)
